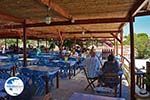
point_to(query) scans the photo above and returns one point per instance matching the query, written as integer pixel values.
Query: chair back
(110, 79)
(85, 72)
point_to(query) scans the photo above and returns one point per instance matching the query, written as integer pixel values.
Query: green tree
(142, 44)
(68, 43)
(141, 41)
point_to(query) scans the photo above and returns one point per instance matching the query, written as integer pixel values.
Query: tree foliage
(142, 44)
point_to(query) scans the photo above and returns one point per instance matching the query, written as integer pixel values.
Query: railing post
(148, 73)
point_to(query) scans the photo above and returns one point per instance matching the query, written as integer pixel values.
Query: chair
(25, 80)
(40, 86)
(64, 68)
(3, 96)
(4, 76)
(110, 81)
(90, 80)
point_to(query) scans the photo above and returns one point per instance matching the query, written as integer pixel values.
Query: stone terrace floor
(77, 84)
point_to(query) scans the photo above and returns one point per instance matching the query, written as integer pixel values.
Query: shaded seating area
(72, 26)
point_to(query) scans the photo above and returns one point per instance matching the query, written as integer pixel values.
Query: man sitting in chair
(93, 65)
(110, 71)
(111, 66)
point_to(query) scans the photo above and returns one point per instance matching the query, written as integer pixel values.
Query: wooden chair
(90, 80)
(111, 80)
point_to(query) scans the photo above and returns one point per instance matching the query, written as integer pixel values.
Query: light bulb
(83, 33)
(72, 21)
(48, 20)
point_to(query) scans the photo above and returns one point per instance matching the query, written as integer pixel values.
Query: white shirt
(93, 66)
(3, 50)
(75, 54)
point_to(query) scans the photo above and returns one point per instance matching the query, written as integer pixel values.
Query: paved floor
(77, 84)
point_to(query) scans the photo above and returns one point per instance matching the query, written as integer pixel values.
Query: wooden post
(121, 37)
(24, 45)
(38, 43)
(5, 44)
(148, 73)
(46, 43)
(114, 46)
(17, 44)
(132, 66)
(61, 40)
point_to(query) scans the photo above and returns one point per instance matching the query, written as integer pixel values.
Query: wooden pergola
(96, 18)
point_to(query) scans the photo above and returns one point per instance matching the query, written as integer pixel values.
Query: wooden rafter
(145, 13)
(116, 37)
(7, 17)
(83, 37)
(61, 37)
(134, 10)
(87, 32)
(52, 5)
(66, 23)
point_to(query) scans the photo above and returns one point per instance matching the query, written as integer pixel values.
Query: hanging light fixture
(48, 18)
(83, 32)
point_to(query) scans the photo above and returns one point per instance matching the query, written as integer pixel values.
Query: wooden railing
(125, 68)
(139, 75)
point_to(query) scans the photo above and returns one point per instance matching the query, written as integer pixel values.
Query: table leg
(120, 86)
(140, 80)
(74, 69)
(57, 80)
(69, 72)
(137, 79)
(46, 85)
(14, 70)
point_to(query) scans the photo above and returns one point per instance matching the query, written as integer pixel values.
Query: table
(71, 63)
(46, 56)
(81, 96)
(30, 60)
(7, 67)
(46, 70)
(3, 57)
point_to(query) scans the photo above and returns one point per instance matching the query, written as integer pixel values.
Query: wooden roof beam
(98, 39)
(66, 23)
(86, 32)
(116, 37)
(145, 13)
(134, 10)
(52, 5)
(137, 7)
(88, 37)
(7, 17)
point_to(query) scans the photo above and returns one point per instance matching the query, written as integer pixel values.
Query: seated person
(111, 66)
(92, 64)
(74, 54)
(118, 59)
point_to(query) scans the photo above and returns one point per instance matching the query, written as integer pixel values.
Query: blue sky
(141, 25)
